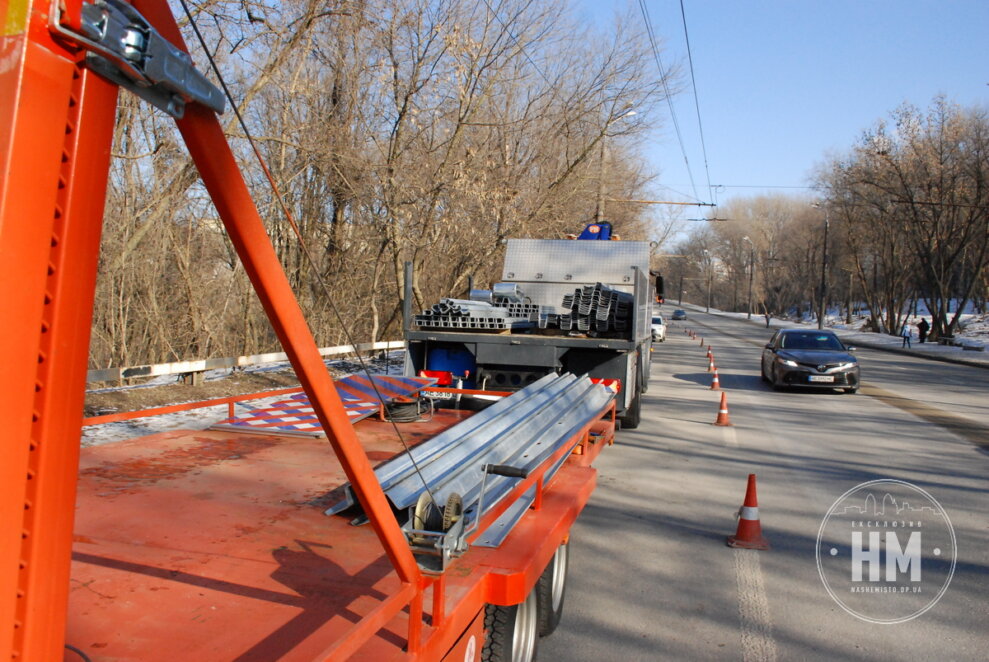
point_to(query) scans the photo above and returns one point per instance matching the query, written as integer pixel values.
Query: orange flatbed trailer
(197, 545)
(213, 545)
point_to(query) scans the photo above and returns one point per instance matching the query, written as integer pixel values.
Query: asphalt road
(651, 577)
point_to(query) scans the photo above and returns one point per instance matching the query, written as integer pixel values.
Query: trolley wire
(697, 104)
(669, 96)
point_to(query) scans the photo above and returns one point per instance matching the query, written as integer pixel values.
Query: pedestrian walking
(905, 334)
(922, 328)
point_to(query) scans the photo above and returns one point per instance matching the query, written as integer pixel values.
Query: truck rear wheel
(511, 632)
(630, 419)
(551, 590)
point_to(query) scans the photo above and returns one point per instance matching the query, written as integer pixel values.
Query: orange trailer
(208, 545)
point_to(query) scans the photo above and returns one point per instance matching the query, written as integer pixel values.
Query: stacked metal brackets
(597, 307)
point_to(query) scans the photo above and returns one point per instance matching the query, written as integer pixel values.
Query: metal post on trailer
(56, 126)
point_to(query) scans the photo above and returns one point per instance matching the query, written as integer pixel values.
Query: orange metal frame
(186, 406)
(56, 123)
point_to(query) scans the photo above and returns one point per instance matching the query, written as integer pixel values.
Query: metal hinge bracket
(124, 48)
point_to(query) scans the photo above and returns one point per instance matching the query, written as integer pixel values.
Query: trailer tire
(511, 632)
(630, 419)
(551, 590)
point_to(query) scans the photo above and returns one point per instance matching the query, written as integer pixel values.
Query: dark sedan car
(679, 315)
(814, 359)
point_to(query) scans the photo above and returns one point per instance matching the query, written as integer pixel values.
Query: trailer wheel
(511, 632)
(551, 590)
(630, 419)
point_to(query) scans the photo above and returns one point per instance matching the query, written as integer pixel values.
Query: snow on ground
(202, 419)
(975, 335)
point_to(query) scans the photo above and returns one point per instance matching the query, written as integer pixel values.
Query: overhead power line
(697, 103)
(666, 87)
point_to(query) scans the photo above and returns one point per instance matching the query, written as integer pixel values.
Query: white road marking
(758, 644)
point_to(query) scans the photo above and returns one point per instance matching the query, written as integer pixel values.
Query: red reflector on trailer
(614, 385)
(442, 377)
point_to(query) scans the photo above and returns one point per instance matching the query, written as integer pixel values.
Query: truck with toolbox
(580, 306)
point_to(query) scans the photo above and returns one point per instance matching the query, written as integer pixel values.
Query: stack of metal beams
(467, 314)
(521, 431)
(593, 308)
(503, 307)
(597, 307)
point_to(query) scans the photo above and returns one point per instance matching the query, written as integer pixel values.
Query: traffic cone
(716, 386)
(748, 535)
(723, 411)
(702, 342)
(710, 363)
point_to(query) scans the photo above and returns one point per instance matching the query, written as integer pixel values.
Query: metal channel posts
(596, 308)
(522, 431)
(496, 310)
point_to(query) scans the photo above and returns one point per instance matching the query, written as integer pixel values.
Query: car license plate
(826, 379)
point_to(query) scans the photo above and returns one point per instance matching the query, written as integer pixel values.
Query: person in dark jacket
(922, 328)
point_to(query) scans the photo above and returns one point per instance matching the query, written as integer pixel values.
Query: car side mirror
(769, 345)
(851, 349)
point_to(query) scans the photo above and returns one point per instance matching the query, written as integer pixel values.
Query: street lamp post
(751, 274)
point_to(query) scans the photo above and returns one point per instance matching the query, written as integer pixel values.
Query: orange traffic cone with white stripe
(723, 411)
(715, 386)
(748, 535)
(710, 363)
(702, 342)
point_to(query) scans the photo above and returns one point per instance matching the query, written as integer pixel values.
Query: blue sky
(783, 84)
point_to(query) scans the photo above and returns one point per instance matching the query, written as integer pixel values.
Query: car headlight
(788, 363)
(846, 366)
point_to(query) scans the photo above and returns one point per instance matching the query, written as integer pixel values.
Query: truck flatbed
(213, 545)
(536, 339)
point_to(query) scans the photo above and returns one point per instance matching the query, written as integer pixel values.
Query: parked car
(811, 359)
(679, 315)
(658, 328)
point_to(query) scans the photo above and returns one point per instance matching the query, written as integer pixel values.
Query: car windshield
(810, 340)
(657, 320)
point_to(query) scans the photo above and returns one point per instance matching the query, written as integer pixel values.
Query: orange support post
(57, 123)
(221, 176)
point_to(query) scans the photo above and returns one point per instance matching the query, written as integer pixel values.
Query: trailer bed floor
(212, 546)
(192, 544)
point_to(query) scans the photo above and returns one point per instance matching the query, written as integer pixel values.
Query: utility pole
(710, 277)
(751, 274)
(599, 208)
(824, 269)
(602, 169)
